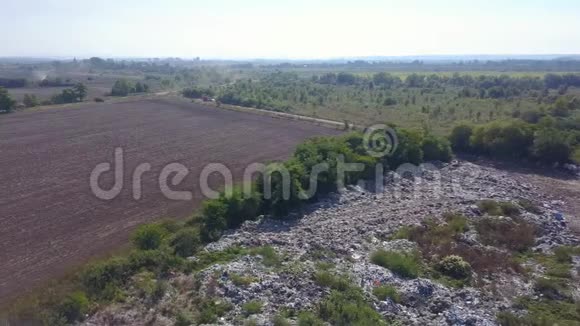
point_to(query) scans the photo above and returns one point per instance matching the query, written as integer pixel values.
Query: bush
(436, 149)
(550, 289)
(551, 145)
(210, 310)
(404, 264)
(74, 307)
(409, 149)
(460, 136)
(495, 208)
(529, 206)
(6, 102)
(252, 307)
(307, 318)
(196, 92)
(454, 267)
(183, 319)
(387, 291)
(149, 236)
(511, 139)
(515, 235)
(490, 207)
(186, 242)
(334, 282)
(269, 255)
(349, 308)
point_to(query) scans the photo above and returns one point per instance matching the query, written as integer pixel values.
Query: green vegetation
(123, 87)
(330, 280)
(403, 264)
(252, 307)
(6, 102)
(436, 239)
(513, 234)
(387, 291)
(70, 95)
(454, 267)
(149, 236)
(495, 208)
(241, 280)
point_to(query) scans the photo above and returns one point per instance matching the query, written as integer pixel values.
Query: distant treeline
(506, 82)
(13, 82)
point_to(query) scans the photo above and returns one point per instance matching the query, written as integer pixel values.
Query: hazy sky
(287, 29)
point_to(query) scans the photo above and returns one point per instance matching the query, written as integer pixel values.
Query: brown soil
(51, 222)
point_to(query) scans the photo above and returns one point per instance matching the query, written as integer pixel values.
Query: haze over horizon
(298, 30)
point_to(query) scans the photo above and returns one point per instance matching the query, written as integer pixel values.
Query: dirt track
(49, 219)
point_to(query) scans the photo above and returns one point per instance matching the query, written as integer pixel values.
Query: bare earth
(51, 222)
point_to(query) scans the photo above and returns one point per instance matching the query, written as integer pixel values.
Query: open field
(51, 221)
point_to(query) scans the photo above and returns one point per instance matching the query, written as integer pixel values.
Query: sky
(292, 29)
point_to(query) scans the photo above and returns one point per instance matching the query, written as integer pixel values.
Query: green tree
(122, 87)
(30, 100)
(551, 145)
(6, 102)
(81, 91)
(460, 137)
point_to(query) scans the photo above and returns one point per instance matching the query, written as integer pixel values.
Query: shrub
(30, 100)
(504, 139)
(436, 149)
(494, 208)
(513, 235)
(186, 242)
(387, 291)
(563, 254)
(506, 318)
(210, 310)
(74, 307)
(490, 207)
(529, 206)
(100, 275)
(550, 289)
(269, 255)
(404, 264)
(252, 307)
(409, 149)
(348, 308)
(240, 280)
(149, 236)
(279, 320)
(460, 136)
(454, 267)
(307, 318)
(6, 102)
(551, 145)
(183, 319)
(509, 209)
(335, 282)
(214, 219)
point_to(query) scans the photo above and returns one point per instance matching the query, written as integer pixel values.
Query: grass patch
(495, 208)
(511, 234)
(529, 206)
(387, 291)
(406, 265)
(252, 307)
(270, 257)
(335, 282)
(349, 308)
(241, 280)
(210, 310)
